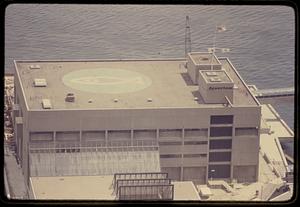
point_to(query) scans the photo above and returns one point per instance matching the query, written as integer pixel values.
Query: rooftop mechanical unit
(70, 97)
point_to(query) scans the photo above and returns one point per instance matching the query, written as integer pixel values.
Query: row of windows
(213, 156)
(214, 132)
(185, 143)
(185, 155)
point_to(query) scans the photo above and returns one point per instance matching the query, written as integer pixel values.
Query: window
(220, 144)
(195, 132)
(219, 156)
(93, 135)
(220, 131)
(119, 134)
(41, 136)
(218, 171)
(246, 131)
(170, 133)
(222, 119)
(169, 143)
(144, 134)
(170, 156)
(195, 142)
(67, 136)
(194, 155)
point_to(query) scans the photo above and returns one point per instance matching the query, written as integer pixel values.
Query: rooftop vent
(40, 82)
(196, 99)
(149, 100)
(116, 100)
(215, 79)
(46, 104)
(70, 97)
(211, 74)
(35, 67)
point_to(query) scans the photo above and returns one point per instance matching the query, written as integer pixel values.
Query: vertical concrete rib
(182, 146)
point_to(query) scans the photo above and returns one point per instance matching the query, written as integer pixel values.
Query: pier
(276, 92)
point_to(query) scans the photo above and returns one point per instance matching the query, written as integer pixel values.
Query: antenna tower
(188, 42)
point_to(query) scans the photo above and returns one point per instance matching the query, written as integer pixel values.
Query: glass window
(220, 144)
(170, 133)
(195, 142)
(218, 171)
(169, 143)
(220, 131)
(195, 132)
(41, 136)
(194, 155)
(67, 136)
(221, 119)
(219, 156)
(170, 156)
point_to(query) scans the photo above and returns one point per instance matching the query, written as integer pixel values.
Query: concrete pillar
(231, 164)
(182, 161)
(54, 141)
(106, 137)
(131, 137)
(207, 157)
(19, 137)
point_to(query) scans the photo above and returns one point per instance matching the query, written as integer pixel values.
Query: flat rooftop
(100, 84)
(215, 76)
(73, 187)
(203, 58)
(93, 188)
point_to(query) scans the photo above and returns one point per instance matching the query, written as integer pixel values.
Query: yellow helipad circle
(105, 80)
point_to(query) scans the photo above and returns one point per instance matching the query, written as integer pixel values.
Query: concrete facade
(196, 141)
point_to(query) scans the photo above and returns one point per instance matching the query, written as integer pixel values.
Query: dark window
(195, 142)
(219, 156)
(218, 171)
(170, 143)
(170, 156)
(194, 155)
(195, 132)
(224, 119)
(170, 133)
(220, 144)
(220, 131)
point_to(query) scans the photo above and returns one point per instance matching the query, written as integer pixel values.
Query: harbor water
(261, 38)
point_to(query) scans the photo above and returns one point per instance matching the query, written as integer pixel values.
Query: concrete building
(193, 118)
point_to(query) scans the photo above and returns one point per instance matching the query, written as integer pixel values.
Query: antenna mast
(188, 42)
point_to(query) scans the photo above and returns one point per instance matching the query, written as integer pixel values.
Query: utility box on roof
(214, 85)
(201, 61)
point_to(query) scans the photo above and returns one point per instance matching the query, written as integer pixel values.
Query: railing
(136, 182)
(146, 192)
(146, 175)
